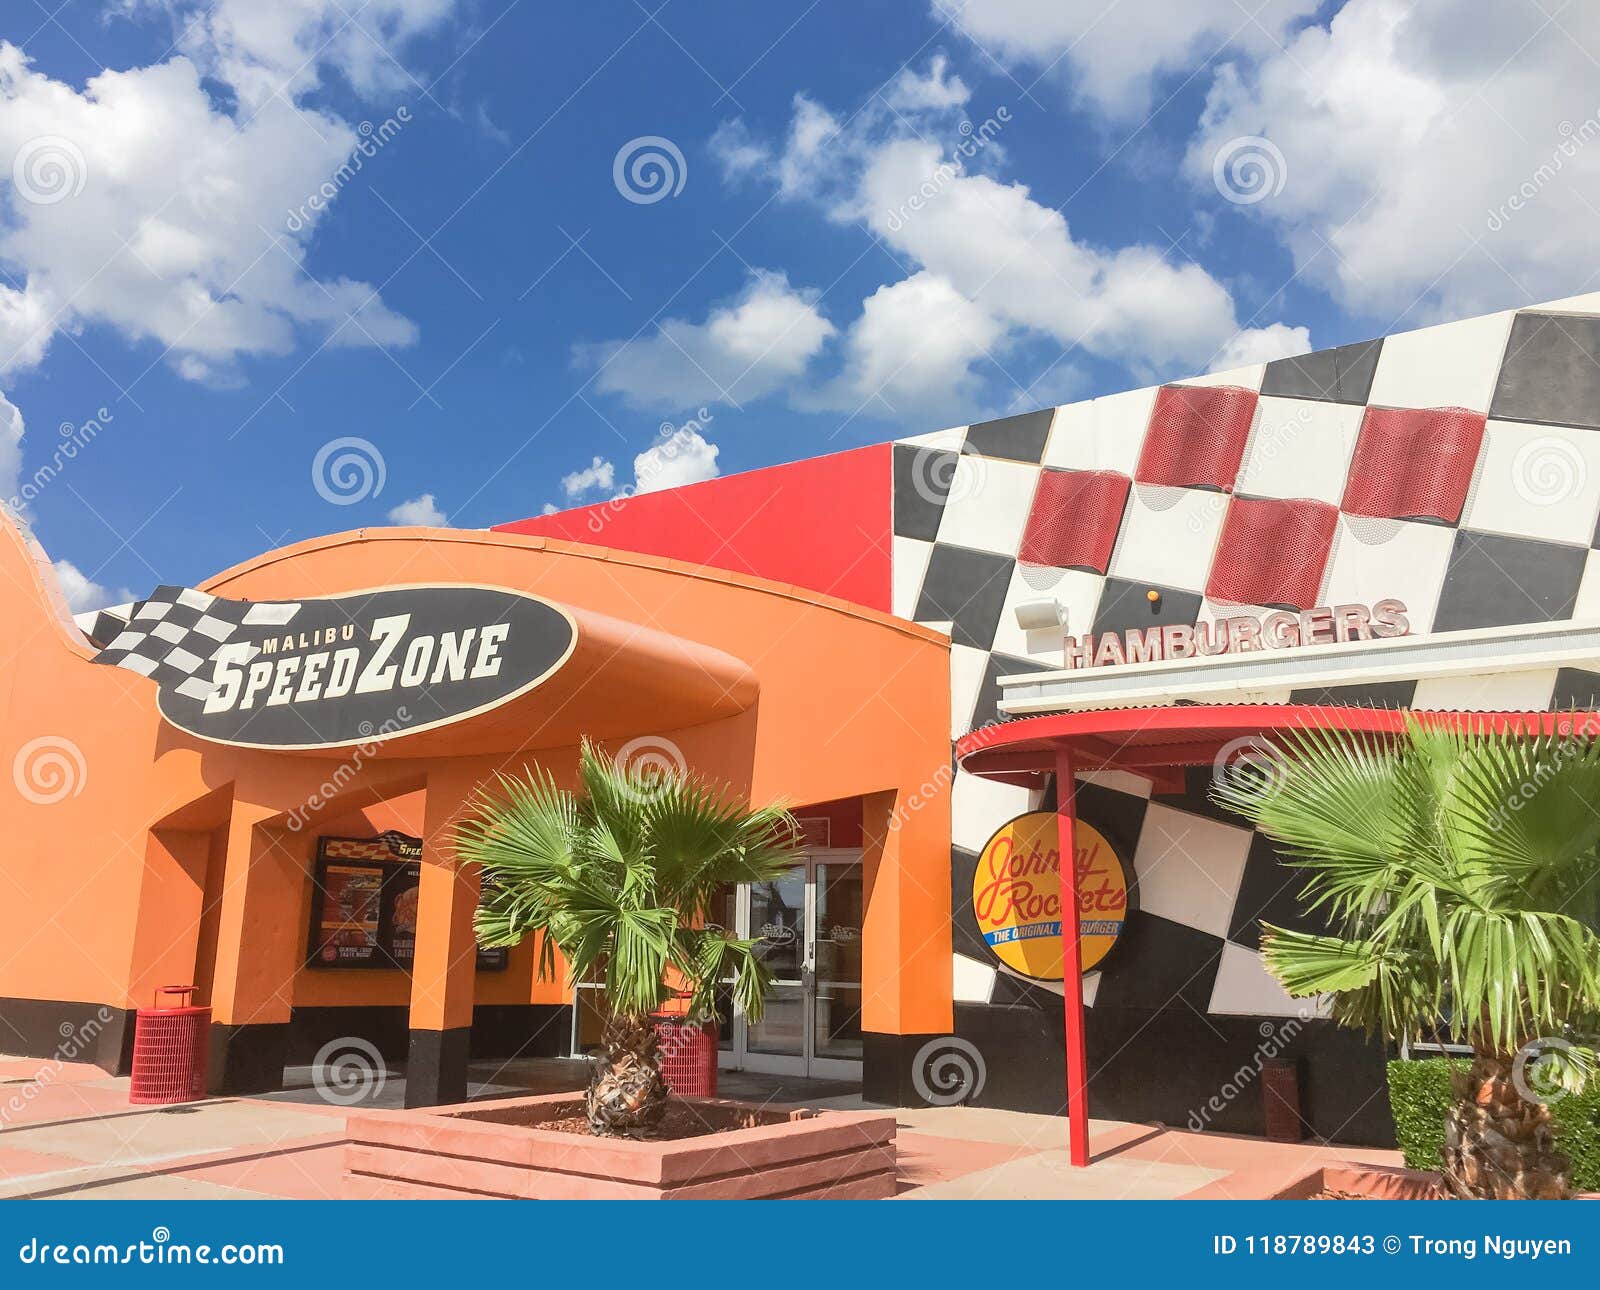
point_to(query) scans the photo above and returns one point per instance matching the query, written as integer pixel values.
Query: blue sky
(887, 218)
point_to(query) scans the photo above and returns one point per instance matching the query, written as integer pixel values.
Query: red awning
(1146, 740)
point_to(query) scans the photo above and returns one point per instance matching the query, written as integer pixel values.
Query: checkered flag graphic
(173, 635)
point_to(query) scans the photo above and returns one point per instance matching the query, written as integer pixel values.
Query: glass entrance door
(809, 924)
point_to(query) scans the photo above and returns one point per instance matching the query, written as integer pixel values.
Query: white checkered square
(1168, 536)
(988, 504)
(1101, 434)
(1536, 481)
(1451, 366)
(179, 630)
(1300, 448)
(1389, 559)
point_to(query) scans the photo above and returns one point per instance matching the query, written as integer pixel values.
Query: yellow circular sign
(1016, 895)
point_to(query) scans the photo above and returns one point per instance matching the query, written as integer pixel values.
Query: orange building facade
(140, 853)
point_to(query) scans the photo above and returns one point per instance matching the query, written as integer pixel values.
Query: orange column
(444, 973)
(905, 945)
(260, 939)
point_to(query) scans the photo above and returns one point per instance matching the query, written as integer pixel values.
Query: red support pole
(1071, 964)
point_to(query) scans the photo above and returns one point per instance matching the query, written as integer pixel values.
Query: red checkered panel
(1414, 462)
(1196, 436)
(1272, 552)
(1075, 518)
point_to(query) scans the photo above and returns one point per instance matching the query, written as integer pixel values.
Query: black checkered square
(173, 634)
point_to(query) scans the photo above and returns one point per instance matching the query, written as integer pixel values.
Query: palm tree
(620, 878)
(1458, 874)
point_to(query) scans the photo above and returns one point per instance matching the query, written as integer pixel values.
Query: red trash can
(170, 1050)
(688, 1054)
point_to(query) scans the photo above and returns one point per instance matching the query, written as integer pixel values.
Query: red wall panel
(1075, 519)
(822, 523)
(1272, 552)
(1196, 436)
(1411, 463)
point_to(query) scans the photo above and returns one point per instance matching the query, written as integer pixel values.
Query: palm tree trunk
(626, 1096)
(1498, 1144)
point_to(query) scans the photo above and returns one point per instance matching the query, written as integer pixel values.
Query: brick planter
(456, 1152)
(1375, 1182)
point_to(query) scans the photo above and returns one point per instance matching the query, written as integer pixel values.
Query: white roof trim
(1259, 675)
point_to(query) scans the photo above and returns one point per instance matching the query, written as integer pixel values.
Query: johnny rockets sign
(1283, 629)
(1016, 895)
(342, 670)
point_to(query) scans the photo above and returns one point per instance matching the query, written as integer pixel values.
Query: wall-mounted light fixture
(1039, 615)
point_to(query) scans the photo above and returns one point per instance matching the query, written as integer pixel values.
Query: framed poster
(364, 905)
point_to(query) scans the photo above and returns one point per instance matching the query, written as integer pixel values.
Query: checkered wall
(1456, 468)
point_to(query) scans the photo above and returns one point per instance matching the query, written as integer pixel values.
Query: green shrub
(1419, 1096)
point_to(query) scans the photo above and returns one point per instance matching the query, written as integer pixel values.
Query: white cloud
(1018, 259)
(935, 90)
(1111, 54)
(11, 428)
(143, 203)
(910, 354)
(599, 474)
(992, 266)
(1411, 135)
(83, 593)
(422, 511)
(746, 347)
(683, 458)
(280, 47)
(1262, 345)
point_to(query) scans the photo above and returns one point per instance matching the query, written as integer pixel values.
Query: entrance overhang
(1147, 741)
(1142, 740)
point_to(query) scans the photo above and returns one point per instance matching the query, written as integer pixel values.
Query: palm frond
(1456, 868)
(618, 878)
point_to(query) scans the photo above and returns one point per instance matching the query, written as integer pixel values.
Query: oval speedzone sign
(369, 666)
